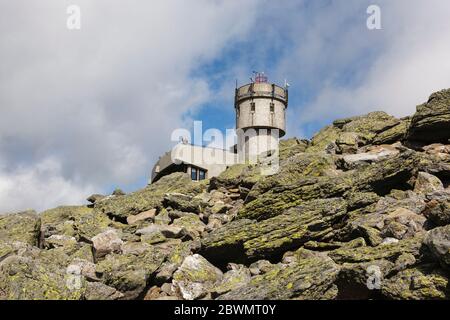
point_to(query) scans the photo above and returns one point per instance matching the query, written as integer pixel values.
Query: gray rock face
(107, 242)
(23, 226)
(432, 119)
(438, 241)
(427, 183)
(196, 277)
(438, 211)
(309, 277)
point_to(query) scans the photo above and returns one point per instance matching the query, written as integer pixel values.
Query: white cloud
(100, 102)
(353, 70)
(40, 186)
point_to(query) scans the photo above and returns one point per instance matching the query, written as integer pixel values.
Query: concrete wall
(262, 95)
(262, 117)
(214, 161)
(251, 143)
(250, 146)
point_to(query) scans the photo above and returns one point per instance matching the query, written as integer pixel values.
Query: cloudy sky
(88, 110)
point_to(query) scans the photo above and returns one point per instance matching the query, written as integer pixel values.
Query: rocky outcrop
(23, 227)
(309, 276)
(122, 206)
(362, 211)
(432, 120)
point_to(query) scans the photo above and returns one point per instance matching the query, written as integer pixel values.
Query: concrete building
(260, 121)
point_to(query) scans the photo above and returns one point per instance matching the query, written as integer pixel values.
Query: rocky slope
(362, 211)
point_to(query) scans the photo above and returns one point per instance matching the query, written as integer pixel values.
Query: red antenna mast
(260, 77)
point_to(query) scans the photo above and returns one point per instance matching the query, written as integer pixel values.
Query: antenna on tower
(260, 77)
(286, 84)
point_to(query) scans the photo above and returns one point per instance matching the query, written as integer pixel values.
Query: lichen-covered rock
(364, 270)
(438, 241)
(438, 211)
(23, 226)
(394, 134)
(307, 278)
(175, 252)
(349, 134)
(32, 274)
(61, 220)
(196, 277)
(95, 198)
(431, 121)
(148, 198)
(244, 175)
(324, 138)
(245, 239)
(237, 277)
(424, 282)
(352, 161)
(55, 241)
(129, 273)
(107, 242)
(294, 169)
(148, 215)
(80, 222)
(291, 147)
(380, 178)
(100, 291)
(427, 183)
(191, 223)
(400, 223)
(167, 231)
(183, 202)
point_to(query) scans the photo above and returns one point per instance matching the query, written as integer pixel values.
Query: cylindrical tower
(260, 115)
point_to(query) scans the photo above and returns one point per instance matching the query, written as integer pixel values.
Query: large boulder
(151, 197)
(425, 282)
(380, 177)
(237, 277)
(310, 276)
(243, 240)
(427, 183)
(80, 222)
(291, 147)
(369, 272)
(438, 241)
(28, 273)
(130, 273)
(431, 121)
(346, 135)
(196, 277)
(107, 242)
(438, 211)
(24, 227)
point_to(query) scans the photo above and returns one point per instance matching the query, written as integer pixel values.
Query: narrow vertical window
(194, 174)
(272, 107)
(252, 106)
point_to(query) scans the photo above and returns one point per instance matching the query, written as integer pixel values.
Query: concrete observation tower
(260, 121)
(260, 116)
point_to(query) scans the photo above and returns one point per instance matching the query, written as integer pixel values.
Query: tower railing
(253, 90)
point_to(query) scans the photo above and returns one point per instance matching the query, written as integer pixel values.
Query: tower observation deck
(261, 105)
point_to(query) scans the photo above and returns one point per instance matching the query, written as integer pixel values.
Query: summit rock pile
(360, 211)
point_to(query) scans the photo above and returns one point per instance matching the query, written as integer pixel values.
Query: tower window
(272, 107)
(252, 106)
(194, 174)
